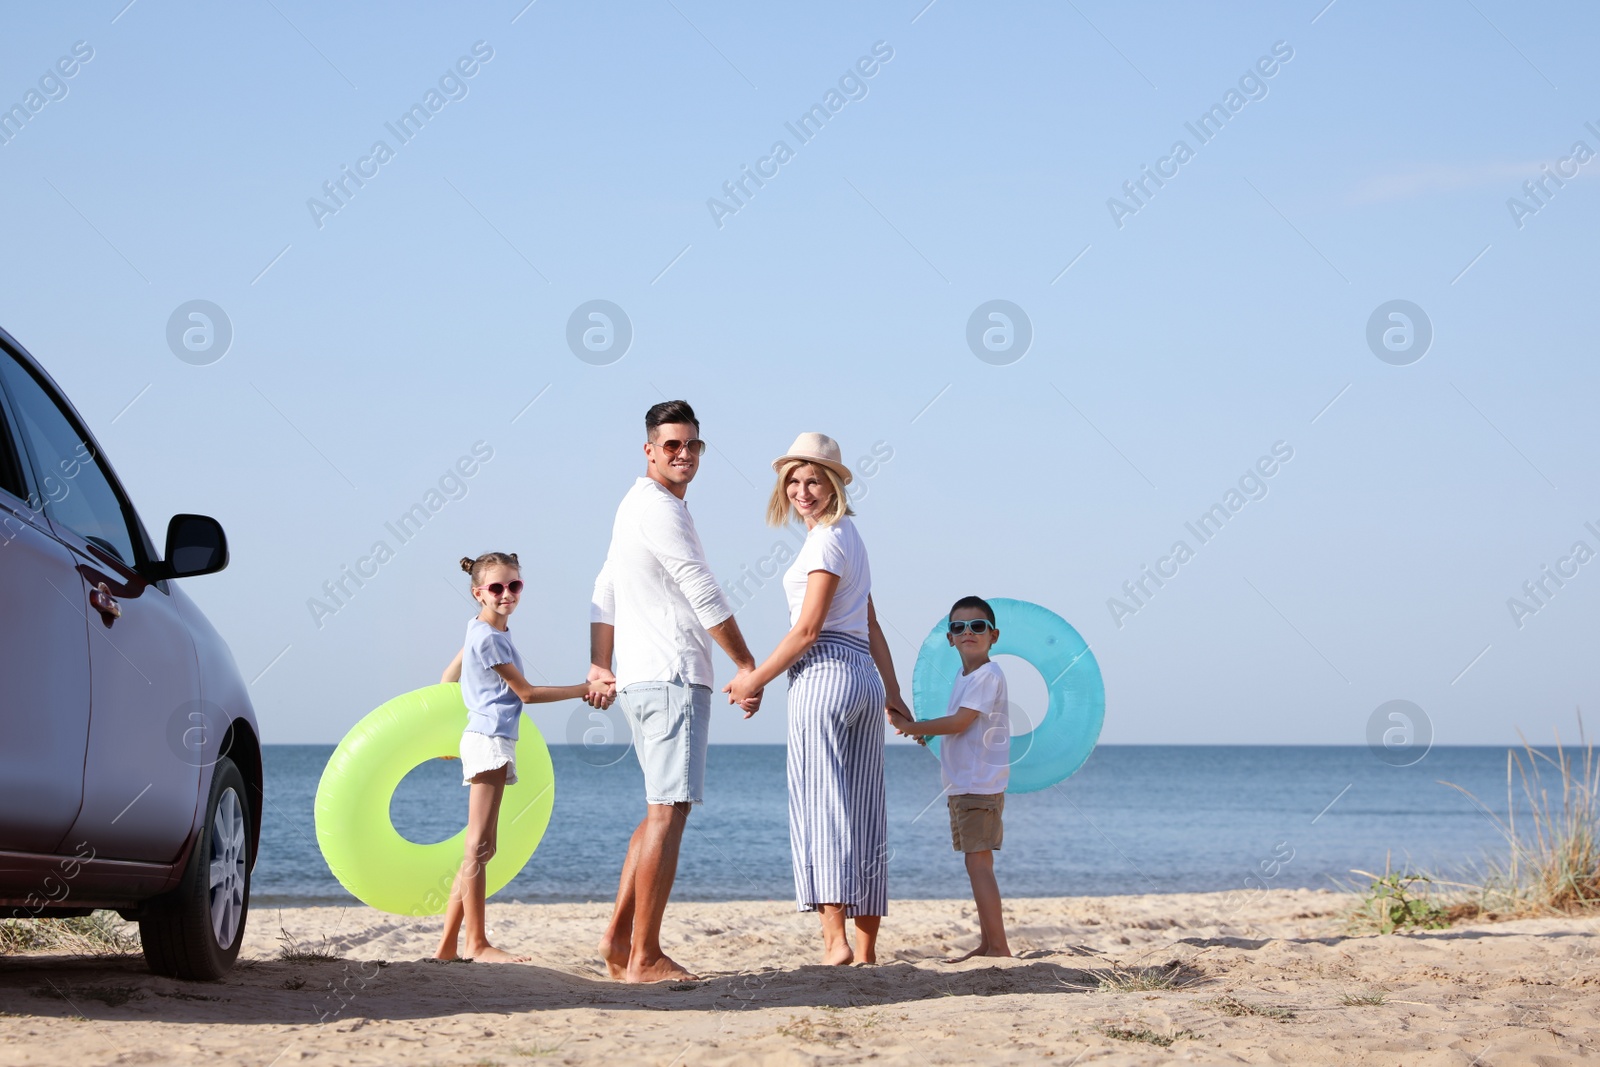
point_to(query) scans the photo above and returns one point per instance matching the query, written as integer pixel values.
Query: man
(655, 605)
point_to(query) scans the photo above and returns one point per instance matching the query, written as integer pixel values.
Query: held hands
(901, 719)
(602, 688)
(742, 693)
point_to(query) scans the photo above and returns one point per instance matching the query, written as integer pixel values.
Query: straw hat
(816, 448)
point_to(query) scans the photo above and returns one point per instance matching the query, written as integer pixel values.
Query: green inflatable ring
(358, 840)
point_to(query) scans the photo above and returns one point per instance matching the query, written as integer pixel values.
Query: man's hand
(742, 693)
(602, 687)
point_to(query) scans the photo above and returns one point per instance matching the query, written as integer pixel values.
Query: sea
(1133, 819)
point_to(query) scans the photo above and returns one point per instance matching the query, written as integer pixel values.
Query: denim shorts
(671, 724)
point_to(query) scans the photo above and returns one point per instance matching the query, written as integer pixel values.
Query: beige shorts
(975, 821)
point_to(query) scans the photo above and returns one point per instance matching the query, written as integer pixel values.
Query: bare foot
(660, 969)
(615, 953)
(446, 954)
(867, 957)
(490, 954)
(839, 955)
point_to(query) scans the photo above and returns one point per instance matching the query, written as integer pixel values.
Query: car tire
(194, 931)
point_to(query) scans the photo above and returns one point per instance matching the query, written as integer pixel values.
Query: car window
(73, 489)
(11, 479)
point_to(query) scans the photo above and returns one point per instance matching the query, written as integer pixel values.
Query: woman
(841, 680)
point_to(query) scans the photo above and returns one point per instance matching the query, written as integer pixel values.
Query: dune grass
(1552, 860)
(102, 933)
(1146, 1035)
(1232, 1006)
(292, 950)
(1145, 979)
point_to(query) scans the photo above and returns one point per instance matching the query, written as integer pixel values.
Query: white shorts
(480, 752)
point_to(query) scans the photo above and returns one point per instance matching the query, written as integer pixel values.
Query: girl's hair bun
(475, 567)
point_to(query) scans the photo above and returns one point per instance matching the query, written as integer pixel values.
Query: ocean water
(1135, 819)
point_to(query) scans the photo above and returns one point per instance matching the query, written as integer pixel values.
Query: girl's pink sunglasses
(495, 588)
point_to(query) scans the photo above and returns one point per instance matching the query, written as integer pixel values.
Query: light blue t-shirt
(492, 708)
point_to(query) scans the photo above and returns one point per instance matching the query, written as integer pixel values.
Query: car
(130, 758)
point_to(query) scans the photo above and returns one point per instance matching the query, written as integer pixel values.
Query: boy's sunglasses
(977, 626)
(495, 588)
(696, 447)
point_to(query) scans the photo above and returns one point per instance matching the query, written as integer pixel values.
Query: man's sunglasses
(977, 626)
(696, 447)
(495, 588)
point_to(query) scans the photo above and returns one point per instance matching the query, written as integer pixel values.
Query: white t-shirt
(836, 549)
(978, 759)
(658, 591)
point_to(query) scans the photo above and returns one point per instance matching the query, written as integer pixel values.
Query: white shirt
(658, 591)
(837, 549)
(978, 759)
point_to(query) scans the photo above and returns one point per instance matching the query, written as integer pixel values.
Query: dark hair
(475, 567)
(668, 411)
(973, 602)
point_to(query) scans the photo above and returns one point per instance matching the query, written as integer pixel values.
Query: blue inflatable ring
(1060, 743)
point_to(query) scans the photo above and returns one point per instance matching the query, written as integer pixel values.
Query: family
(656, 609)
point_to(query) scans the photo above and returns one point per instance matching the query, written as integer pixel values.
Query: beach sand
(1478, 995)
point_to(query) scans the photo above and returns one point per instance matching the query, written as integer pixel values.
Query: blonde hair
(780, 511)
(476, 567)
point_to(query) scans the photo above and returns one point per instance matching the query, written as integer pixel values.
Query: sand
(1271, 978)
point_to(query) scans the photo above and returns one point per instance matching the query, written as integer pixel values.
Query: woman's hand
(743, 692)
(900, 718)
(895, 703)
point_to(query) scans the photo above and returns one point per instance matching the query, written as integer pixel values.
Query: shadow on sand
(342, 990)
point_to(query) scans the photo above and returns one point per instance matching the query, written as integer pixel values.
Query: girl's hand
(600, 694)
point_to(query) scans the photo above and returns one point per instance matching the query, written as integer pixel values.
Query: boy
(975, 759)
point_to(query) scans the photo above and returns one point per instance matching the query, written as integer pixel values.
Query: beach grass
(1145, 1035)
(101, 933)
(1231, 1005)
(1552, 860)
(1368, 999)
(292, 950)
(1172, 975)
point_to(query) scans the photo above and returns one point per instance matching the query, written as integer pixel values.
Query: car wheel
(194, 932)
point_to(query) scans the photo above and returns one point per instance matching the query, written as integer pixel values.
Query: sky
(1369, 268)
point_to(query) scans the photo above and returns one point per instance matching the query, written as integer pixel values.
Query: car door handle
(101, 600)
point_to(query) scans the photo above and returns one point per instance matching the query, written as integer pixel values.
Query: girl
(494, 690)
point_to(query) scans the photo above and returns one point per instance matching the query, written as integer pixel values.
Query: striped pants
(838, 826)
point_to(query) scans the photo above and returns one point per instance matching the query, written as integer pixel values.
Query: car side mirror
(195, 545)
